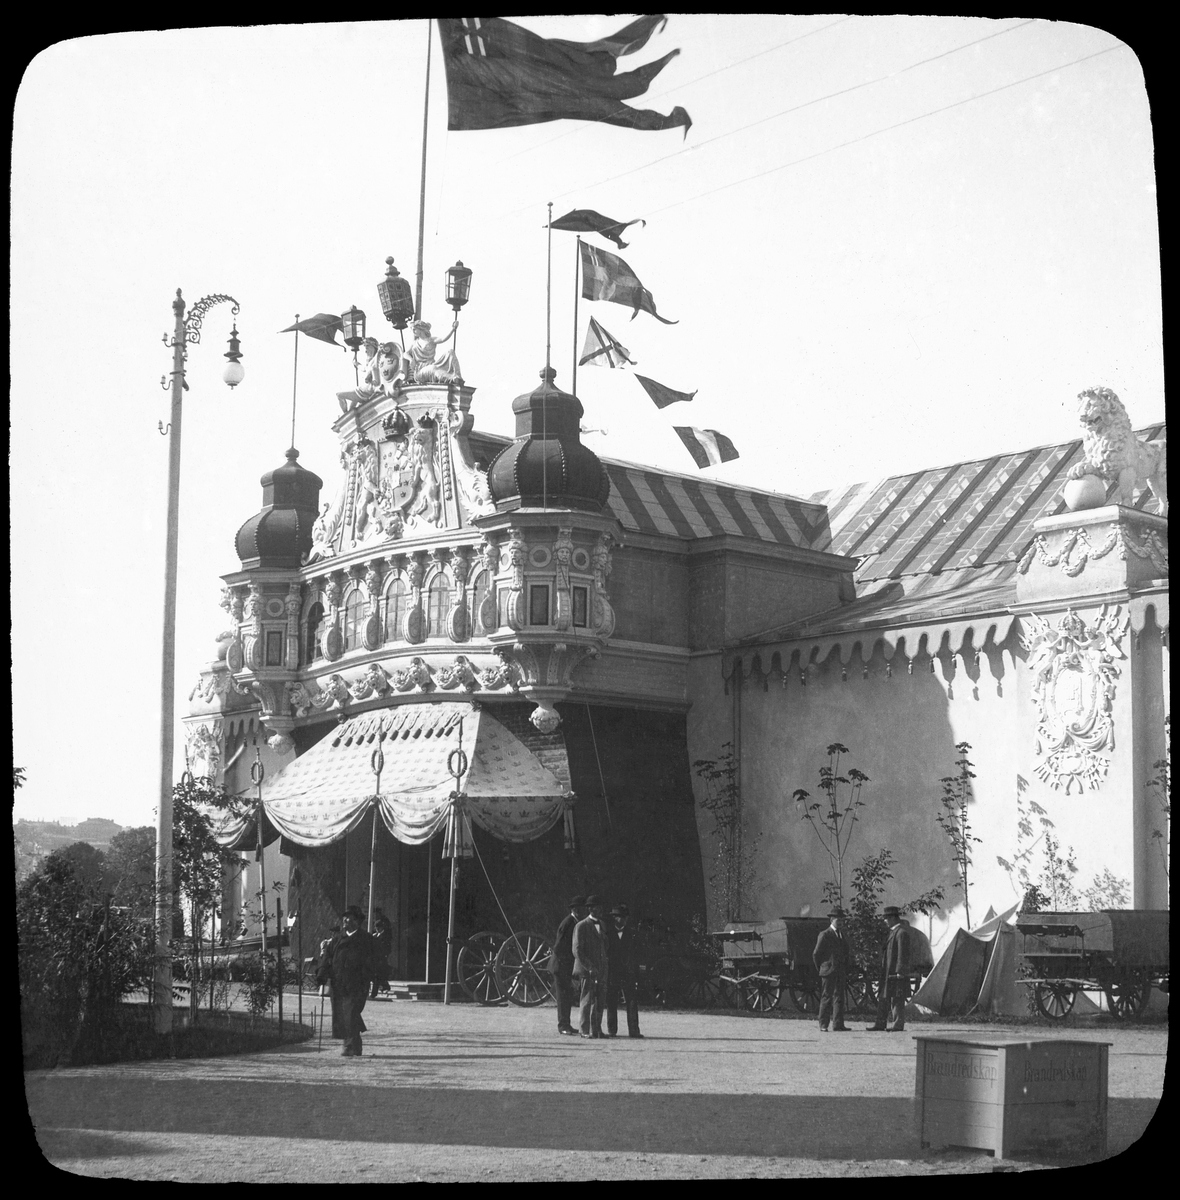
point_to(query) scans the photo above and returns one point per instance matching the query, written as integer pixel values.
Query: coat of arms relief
(1074, 676)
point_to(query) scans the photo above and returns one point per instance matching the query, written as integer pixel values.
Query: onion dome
(547, 466)
(280, 535)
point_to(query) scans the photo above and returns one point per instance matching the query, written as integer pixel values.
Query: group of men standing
(905, 958)
(596, 952)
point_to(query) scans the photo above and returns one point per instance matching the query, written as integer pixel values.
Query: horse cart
(754, 967)
(494, 968)
(1118, 952)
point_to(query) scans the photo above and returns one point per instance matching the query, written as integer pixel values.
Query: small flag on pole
(662, 396)
(606, 276)
(323, 327)
(500, 74)
(586, 220)
(603, 349)
(707, 447)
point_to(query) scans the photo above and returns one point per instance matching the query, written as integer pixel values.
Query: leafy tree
(18, 777)
(866, 928)
(131, 868)
(1159, 786)
(733, 876)
(833, 819)
(955, 822)
(89, 866)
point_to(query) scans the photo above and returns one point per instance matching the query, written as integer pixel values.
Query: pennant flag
(707, 446)
(606, 277)
(603, 349)
(663, 396)
(499, 75)
(323, 327)
(586, 220)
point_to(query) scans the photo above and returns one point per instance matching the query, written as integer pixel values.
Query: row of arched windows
(394, 607)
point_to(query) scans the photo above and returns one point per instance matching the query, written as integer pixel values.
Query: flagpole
(577, 264)
(548, 309)
(422, 194)
(295, 382)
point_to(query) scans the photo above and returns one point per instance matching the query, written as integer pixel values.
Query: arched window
(438, 607)
(354, 619)
(311, 633)
(395, 610)
(479, 593)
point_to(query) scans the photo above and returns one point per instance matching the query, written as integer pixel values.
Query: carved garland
(1073, 689)
(1072, 564)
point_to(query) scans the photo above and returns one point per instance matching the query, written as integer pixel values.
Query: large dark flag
(606, 277)
(323, 327)
(500, 75)
(662, 396)
(586, 220)
(707, 447)
(603, 349)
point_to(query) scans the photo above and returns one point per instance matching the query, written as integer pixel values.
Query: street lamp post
(186, 331)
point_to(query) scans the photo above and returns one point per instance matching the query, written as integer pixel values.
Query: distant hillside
(35, 839)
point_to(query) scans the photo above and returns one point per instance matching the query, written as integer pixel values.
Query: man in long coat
(831, 957)
(590, 967)
(561, 963)
(349, 965)
(622, 973)
(900, 965)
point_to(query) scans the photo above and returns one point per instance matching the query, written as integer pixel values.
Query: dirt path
(464, 1093)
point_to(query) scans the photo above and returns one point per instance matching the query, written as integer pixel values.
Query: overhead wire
(888, 129)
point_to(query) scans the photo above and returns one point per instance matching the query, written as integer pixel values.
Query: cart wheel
(729, 993)
(475, 965)
(700, 991)
(804, 996)
(1055, 998)
(1128, 994)
(522, 970)
(862, 996)
(760, 993)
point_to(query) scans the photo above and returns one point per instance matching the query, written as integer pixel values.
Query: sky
(888, 243)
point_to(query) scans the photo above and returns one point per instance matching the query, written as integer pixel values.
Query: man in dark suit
(622, 973)
(902, 960)
(561, 963)
(347, 963)
(831, 958)
(590, 967)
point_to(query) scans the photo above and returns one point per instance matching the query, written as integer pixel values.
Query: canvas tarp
(503, 787)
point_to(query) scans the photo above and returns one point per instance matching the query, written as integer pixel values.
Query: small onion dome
(547, 466)
(280, 535)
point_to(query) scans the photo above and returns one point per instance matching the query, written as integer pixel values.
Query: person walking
(561, 963)
(590, 967)
(348, 965)
(831, 957)
(382, 945)
(899, 965)
(622, 973)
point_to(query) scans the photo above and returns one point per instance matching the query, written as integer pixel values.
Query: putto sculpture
(1113, 453)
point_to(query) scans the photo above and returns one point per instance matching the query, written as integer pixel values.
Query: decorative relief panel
(1073, 689)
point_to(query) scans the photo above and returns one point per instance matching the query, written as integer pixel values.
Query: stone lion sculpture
(1114, 453)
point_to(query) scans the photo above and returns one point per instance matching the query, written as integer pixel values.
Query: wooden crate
(1010, 1097)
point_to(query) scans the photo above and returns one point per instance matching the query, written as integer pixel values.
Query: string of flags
(606, 276)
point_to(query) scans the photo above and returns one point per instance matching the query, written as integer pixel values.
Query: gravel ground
(466, 1093)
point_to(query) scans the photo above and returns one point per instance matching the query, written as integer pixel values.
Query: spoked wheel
(760, 993)
(476, 967)
(1055, 998)
(729, 993)
(804, 996)
(1128, 994)
(522, 970)
(862, 996)
(700, 991)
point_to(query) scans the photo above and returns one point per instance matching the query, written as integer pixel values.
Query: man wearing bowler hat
(561, 963)
(898, 967)
(831, 957)
(622, 972)
(349, 965)
(590, 967)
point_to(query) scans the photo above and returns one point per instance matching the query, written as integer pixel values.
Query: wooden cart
(1119, 952)
(495, 968)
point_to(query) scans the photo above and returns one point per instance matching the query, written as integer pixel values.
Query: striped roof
(645, 500)
(971, 514)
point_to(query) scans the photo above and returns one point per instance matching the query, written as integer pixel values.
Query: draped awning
(503, 786)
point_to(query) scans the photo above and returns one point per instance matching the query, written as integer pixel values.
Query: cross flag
(606, 277)
(586, 220)
(663, 396)
(500, 74)
(323, 327)
(603, 349)
(707, 447)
